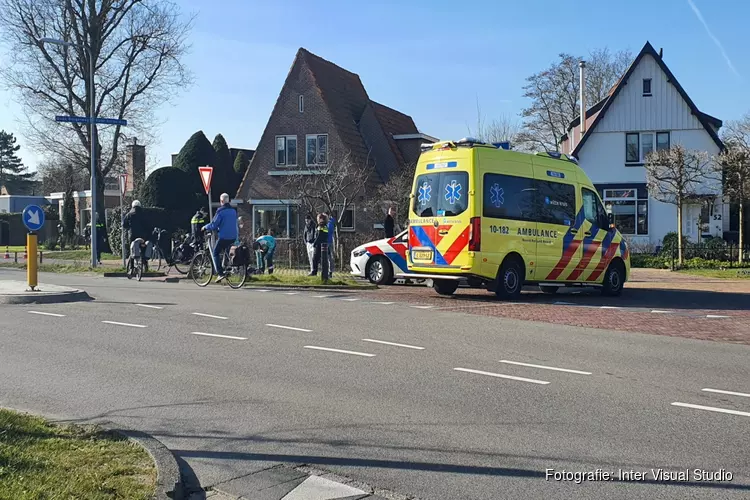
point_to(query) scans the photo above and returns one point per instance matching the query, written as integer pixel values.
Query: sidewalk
(662, 278)
(18, 292)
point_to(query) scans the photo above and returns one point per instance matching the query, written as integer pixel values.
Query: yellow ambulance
(505, 219)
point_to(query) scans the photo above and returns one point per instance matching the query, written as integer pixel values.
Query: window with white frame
(639, 144)
(647, 87)
(630, 209)
(317, 149)
(346, 218)
(286, 150)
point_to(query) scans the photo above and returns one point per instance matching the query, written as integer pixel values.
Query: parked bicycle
(135, 265)
(202, 268)
(182, 255)
(157, 255)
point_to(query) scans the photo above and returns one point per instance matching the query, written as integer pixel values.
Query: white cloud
(716, 40)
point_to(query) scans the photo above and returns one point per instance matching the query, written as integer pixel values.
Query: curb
(271, 285)
(45, 298)
(168, 475)
(125, 275)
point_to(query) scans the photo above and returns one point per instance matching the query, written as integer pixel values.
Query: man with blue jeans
(331, 249)
(225, 223)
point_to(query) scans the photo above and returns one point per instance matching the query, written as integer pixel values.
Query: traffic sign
(206, 175)
(85, 119)
(123, 183)
(33, 217)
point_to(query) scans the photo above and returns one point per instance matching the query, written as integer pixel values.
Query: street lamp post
(92, 138)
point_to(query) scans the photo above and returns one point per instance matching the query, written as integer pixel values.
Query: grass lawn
(301, 279)
(741, 273)
(40, 460)
(65, 268)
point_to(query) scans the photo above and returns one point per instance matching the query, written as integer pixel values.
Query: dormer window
(647, 87)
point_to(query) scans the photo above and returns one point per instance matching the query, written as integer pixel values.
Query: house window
(281, 219)
(346, 219)
(301, 104)
(317, 149)
(286, 150)
(630, 209)
(647, 87)
(639, 145)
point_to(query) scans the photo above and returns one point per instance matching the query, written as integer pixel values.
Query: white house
(646, 110)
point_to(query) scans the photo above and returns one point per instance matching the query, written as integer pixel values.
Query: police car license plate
(422, 255)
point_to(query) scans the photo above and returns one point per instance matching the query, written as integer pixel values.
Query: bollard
(324, 260)
(31, 265)
(25, 252)
(41, 257)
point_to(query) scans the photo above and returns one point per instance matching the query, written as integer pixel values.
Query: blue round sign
(33, 217)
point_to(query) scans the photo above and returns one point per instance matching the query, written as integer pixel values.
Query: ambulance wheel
(550, 290)
(445, 287)
(509, 279)
(614, 279)
(380, 271)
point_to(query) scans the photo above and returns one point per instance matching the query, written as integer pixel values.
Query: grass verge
(292, 280)
(66, 268)
(743, 273)
(42, 460)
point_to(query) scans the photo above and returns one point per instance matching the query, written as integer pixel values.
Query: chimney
(582, 65)
(661, 53)
(135, 165)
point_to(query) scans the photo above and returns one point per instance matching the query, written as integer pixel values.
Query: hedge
(175, 222)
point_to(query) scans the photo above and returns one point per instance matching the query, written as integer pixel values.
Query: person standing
(309, 237)
(321, 236)
(389, 225)
(331, 250)
(196, 223)
(101, 238)
(135, 224)
(225, 223)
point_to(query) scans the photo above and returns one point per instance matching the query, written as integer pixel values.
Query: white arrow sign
(34, 217)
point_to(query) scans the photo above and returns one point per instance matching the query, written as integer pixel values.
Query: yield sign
(206, 174)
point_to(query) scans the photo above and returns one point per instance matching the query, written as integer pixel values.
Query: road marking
(659, 311)
(384, 303)
(46, 314)
(563, 303)
(731, 393)
(394, 344)
(355, 353)
(350, 300)
(500, 375)
(210, 316)
(715, 316)
(422, 307)
(288, 327)
(712, 408)
(217, 335)
(124, 324)
(579, 372)
(609, 307)
(259, 290)
(321, 296)
(291, 293)
(149, 306)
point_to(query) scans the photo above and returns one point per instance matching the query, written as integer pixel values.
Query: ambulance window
(441, 195)
(556, 203)
(508, 197)
(592, 207)
(425, 197)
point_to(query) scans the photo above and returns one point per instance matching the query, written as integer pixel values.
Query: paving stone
(320, 488)
(278, 480)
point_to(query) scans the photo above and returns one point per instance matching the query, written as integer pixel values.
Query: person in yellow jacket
(321, 237)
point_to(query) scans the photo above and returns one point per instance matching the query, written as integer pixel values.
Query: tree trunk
(679, 231)
(742, 230)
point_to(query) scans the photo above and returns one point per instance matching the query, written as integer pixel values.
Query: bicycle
(202, 268)
(158, 254)
(182, 255)
(135, 266)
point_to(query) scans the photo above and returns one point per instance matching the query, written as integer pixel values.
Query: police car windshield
(443, 194)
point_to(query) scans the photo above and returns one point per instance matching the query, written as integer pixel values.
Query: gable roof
(708, 121)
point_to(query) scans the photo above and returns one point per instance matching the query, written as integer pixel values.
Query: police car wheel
(379, 272)
(614, 279)
(510, 280)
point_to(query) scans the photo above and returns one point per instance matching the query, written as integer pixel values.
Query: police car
(381, 261)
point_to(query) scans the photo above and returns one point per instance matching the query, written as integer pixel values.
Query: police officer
(101, 238)
(196, 227)
(320, 237)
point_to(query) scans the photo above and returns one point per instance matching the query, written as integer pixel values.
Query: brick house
(323, 114)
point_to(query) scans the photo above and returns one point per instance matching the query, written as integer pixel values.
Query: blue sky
(432, 60)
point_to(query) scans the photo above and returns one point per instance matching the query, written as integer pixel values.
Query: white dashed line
(609, 307)
(46, 314)
(712, 408)
(394, 344)
(422, 307)
(500, 375)
(149, 306)
(350, 300)
(288, 327)
(563, 303)
(341, 351)
(291, 293)
(260, 290)
(731, 393)
(579, 372)
(123, 324)
(210, 316)
(715, 316)
(217, 335)
(321, 296)
(659, 311)
(384, 303)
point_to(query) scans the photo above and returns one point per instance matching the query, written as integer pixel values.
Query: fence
(711, 256)
(292, 253)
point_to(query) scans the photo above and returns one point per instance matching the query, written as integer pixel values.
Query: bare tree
(394, 192)
(137, 48)
(334, 186)
(735, 169)
(502, 129)
(555, 91)
(677, 176)
(58, 177)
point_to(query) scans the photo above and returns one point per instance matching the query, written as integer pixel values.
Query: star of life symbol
(424, 193)
(452, 192)
(497, 195)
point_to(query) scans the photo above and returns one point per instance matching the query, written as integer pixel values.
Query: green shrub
(650, 261)
(50, 245)
(173, 221)
(169, 188)
(196, 152)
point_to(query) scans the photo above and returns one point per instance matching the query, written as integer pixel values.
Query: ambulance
(502, 219)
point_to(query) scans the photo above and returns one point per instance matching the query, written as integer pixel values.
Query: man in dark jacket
(196, 227)
(309, 237)
(320, 237)
(135, 224)
(389, 225)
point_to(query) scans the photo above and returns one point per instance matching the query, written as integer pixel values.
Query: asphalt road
(452, 412)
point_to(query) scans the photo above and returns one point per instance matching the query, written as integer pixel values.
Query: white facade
(634, 123)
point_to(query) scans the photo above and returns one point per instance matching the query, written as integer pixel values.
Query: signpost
(123, 186)
(207, 173)
(85, 119)
(33, 219)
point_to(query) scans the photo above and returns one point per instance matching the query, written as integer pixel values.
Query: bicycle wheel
(179, 262)
(139, 271)
(158, 258)
(129, 270)
(201, 269)
(236, 276)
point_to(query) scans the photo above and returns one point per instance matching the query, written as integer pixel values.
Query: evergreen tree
(223, 170)
(168, 188)
(197, 152)
(12, 171)
(240, 165)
